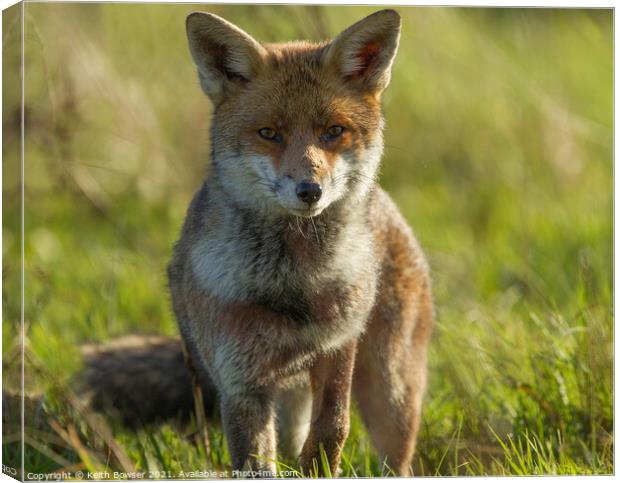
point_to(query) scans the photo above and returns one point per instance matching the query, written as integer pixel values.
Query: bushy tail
(140, 379)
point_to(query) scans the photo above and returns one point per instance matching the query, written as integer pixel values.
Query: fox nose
(309, 192)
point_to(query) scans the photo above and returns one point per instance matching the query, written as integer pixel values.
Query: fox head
(297, 126)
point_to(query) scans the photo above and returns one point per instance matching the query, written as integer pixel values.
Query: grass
(498, 152)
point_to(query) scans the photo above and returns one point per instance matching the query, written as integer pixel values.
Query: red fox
(296, 282)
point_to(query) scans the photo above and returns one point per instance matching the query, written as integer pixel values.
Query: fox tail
(140, 380)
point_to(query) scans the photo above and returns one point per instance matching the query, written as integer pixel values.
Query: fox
(296, 283)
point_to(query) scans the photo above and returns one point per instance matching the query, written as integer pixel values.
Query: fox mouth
(306, 212)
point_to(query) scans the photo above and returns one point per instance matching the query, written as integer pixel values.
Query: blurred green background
(498, 151)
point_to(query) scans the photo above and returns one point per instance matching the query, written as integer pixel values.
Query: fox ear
(224, 54)
(363, 54)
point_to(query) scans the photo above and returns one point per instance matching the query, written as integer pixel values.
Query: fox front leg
(249, 425)
(330, 378)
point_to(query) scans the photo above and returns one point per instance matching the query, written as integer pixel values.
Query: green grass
(498, 151)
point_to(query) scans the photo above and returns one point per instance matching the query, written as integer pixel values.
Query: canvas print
(303, 241)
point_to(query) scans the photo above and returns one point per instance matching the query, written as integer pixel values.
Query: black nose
(309, 192)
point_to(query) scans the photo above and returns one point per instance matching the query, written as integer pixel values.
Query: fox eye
(269, 134)
(333, 132)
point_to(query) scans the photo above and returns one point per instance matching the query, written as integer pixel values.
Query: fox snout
(305, 186)
(307, 196)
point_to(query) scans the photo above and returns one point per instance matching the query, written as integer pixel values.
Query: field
(499, 148)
